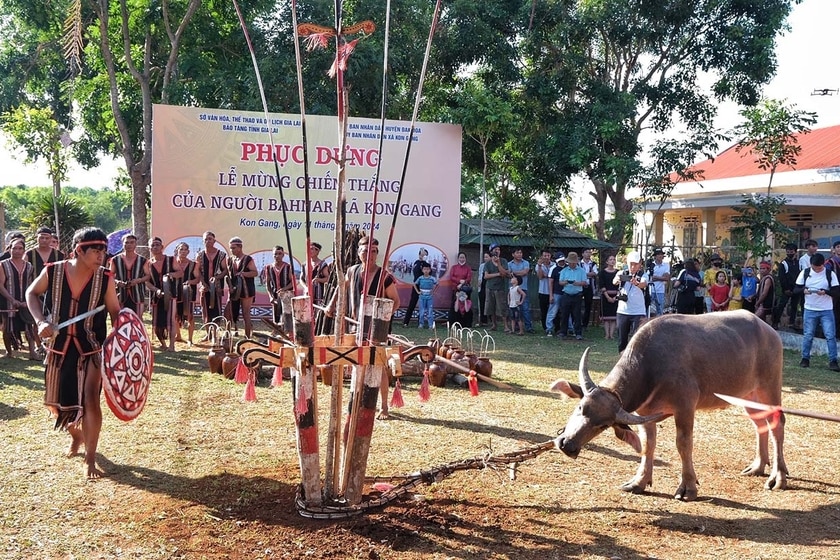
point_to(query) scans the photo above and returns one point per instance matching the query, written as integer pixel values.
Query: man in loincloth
(356, 275)
(74, 360)
(211, 264)
(129, 270)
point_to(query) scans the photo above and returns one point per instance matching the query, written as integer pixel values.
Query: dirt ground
(200, 474)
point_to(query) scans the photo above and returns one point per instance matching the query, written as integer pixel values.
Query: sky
(805, 62)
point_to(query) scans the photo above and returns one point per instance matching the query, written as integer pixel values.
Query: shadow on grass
(11, 412)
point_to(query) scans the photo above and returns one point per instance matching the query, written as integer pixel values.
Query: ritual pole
(367, 384)
(306, 392)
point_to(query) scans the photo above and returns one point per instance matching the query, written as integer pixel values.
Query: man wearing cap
(817, 285)
(544, 266)
(631, 308)
(521, 268)
(571, 282)
(709, 278)
(496, 273)
(661, 277)
(749, 288)
(482, 291)
(43, 253)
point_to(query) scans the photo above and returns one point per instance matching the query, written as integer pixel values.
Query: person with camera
(687, 281)
(817, 285)
(631, 299)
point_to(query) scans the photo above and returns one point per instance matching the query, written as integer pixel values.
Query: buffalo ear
(569, 389)
(628, 436)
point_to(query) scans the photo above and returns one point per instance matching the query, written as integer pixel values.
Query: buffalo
(673, 366)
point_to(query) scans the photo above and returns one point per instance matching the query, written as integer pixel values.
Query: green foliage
(106, 209)
(43, 209)
(757, 221)
(40, 136)
(769, 133)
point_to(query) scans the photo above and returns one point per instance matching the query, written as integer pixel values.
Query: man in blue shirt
(521, 268)
(572, 281)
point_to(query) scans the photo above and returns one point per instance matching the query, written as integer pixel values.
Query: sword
(773, 408)
(78, 318)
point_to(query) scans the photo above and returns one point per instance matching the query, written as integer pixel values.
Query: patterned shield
(127, 362)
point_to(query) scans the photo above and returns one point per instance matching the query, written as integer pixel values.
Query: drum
(236, 285)
(127, 363)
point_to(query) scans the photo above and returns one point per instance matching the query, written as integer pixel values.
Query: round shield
(235, 288)
(127, 362)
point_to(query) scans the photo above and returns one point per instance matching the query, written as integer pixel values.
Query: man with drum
(368, 271)
(73, 378)
(211, 264)
(278, 280)
(129, 271)
(241, 271)
(15, 276)
(160, 276)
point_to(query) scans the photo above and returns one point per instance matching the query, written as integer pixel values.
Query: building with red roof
(697, 218)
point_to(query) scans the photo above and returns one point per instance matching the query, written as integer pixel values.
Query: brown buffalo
(672, 367)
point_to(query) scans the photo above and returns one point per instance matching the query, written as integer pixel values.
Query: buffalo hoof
(777, 481)
(756, 468)
(686, 494)
(634, 487)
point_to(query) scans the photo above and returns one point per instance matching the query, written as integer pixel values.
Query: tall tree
(602, 72)
(769, 133)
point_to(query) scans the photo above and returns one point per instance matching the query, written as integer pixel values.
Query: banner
(213, 170)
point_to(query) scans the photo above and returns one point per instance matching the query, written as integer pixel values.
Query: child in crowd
(735, 293)
(425, 286)
(719, 292)
(516, 296)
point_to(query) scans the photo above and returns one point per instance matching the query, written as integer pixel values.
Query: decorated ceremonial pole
(306, 404)
(366, 383)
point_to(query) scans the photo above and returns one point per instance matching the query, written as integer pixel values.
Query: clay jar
(214, 359)
(483, 366)
(229, 363)
(437, 375)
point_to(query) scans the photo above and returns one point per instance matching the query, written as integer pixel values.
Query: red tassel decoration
(473, 383)
(241, 375)
(301, 406)
(425, 393)
(250, 388)
(397, 398)
(277, 378)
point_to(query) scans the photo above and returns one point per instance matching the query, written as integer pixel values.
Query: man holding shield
(76, 288)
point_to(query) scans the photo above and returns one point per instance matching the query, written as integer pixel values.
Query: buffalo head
(599, 409)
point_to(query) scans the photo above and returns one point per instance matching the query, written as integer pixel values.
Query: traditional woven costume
(355, 277)
(185, 308)
(318, 288)
(34, 258)
(249, 288)
(17, 280)
(160, 314)
(131, 296)
(275, 280)
(210, 268)
(76, 346)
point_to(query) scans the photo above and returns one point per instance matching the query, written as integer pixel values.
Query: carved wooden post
(366, 383)
(305, 393)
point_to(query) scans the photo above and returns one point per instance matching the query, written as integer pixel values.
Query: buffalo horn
(624, 417)
(586, 382)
